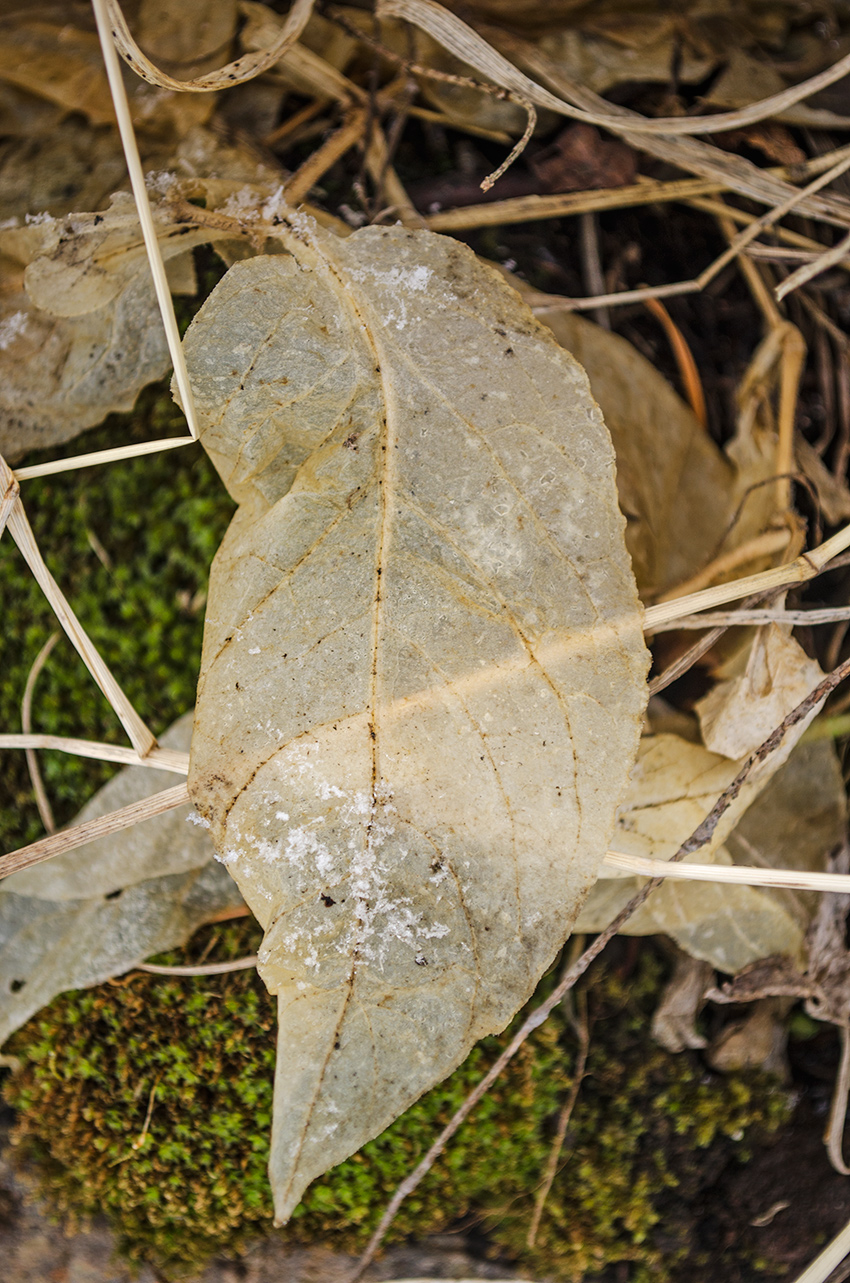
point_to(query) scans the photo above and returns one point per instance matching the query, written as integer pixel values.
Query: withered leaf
(423, 667)
(792, 821)
(101, 909)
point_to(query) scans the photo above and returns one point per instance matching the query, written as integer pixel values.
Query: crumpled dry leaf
(422, 666)
(103, 908)
(61, 375)
(676, 489)
(792, 824)
(739, 713)
(80, 329)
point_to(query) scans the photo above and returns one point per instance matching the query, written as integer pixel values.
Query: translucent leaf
(423, 668)
(103, 908)
(792, 824)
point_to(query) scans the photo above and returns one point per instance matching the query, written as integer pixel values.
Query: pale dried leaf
(423, 669)
(189, 38)
(103, 908)
(739, 713)
(61, 375)
(792, 824)
(676, 489)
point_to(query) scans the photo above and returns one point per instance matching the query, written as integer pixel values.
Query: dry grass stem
(701, 835)
(763, 545)
(831, 1256)
(737, 874)
(684, 359)
(834, 1135)
(97, 457)
(806, 566)
(80, 834)
(829, 258)
(158, 759)
(529, 209)
(104, 10)
(19, 528)
(321, 160)
(11, 493)
(470, 47)
(748, 618)
(41, 799)
(207, 969)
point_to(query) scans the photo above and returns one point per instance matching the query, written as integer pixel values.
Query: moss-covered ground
(150, 1100)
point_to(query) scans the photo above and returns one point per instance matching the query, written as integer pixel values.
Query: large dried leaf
(103, 908)
(423, 668)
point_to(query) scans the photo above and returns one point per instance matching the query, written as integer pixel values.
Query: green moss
(159, 520)
(193, 1181)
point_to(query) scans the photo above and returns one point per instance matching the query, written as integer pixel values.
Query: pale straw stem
(91, 460)
(137, 181)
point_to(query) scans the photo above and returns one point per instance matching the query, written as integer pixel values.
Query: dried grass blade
(19, 528)
(737, 874)
(235, 73)
(140, 193)
(96, 457)
(69, 839)
(158, 759)
(833, 1254)
(470, 47)
(42, 800)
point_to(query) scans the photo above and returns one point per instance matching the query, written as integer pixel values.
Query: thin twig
(583, 1033)
(41, 799)
(517, 149)
(91, 830)
(700, 836)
